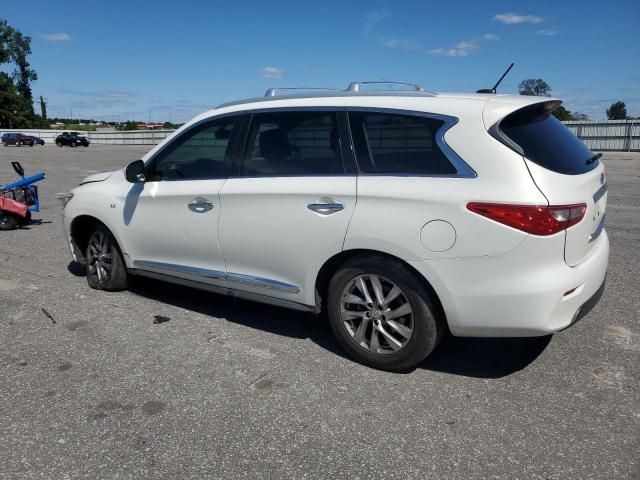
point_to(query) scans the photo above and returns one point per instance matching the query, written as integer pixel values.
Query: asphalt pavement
(169, 382)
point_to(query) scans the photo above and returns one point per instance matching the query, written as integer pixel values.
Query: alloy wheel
(100, 260)
(377, 314)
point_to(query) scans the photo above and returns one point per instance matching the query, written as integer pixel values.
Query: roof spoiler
(499, 107)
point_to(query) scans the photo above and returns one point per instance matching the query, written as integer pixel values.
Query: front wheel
(382, 314)
(59, 144)
(73, 144)
(7, 221)
(104, 263)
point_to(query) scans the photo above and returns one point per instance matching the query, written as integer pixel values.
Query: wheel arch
(331, 266)
(80, 230)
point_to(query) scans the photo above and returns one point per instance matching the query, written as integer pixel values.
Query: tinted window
(398, 144)
(195, 155)
(293, 143)
(547, 142)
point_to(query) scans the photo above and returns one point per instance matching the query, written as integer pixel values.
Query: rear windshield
(547, 142)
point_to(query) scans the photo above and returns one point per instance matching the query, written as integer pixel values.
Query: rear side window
(293, 144)
(398, 144)
(547, 142)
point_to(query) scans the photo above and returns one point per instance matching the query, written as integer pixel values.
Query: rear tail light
(533, 219)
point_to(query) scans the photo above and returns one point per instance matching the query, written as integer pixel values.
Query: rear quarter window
(545, 141)
(398, 144)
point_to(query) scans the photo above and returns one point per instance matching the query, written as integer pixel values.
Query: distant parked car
(71, 139)
(37, 140)
(17, 139)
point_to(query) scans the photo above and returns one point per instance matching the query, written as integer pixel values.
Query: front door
(171, 220)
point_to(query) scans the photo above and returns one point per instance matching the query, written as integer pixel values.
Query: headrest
(274, 144)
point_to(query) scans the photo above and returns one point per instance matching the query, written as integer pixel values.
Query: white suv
(400, 214)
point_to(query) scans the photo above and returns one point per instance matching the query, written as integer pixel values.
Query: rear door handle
(200, 205)
(326, 208)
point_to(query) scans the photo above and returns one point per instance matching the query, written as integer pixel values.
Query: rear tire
(393, 330)
(73, 144)
(59, 144)
(7, 221)
(104, 263)
(18, 144)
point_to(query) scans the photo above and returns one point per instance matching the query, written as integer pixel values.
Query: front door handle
(327, 206)
(200, 205)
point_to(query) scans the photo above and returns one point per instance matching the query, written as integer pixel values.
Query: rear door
(287, 208)
(565, 170)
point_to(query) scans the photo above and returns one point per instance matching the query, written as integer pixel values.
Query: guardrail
(606, 135)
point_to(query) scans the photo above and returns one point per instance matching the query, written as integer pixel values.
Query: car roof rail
(356, 86)
(273, 92)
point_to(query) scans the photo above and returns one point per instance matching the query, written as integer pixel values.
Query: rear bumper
(587, 306)
(519, 294)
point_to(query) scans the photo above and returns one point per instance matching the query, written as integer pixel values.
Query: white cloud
(548, 33)
(466, 45)
(511, 18)
(374, 17)
(449, 52)
(460, 49)
(490, 36)
(56, 37)
(404, 43)
(272, 72)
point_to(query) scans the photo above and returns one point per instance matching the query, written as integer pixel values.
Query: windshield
(547, 142)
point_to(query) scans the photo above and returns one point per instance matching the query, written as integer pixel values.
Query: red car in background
(17, 139)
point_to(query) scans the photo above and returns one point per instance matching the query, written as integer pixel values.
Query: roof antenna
(493, 90)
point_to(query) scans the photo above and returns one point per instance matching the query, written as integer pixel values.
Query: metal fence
(606, 135)
(128, 137)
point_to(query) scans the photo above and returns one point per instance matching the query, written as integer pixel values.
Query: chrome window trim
(463, 170)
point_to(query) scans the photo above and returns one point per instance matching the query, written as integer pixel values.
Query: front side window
(198, 154)
(401, 144)
(293, 144)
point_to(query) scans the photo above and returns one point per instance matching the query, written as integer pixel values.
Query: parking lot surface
(92, 387)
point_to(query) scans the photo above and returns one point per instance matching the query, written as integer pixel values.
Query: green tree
(562, 114)
(580, 116)
(16, 98)
(617, 111)
(535, 87)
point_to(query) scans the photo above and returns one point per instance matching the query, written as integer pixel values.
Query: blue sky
(172, 60)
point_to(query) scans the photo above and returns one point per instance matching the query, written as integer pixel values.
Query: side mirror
(135, 172)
